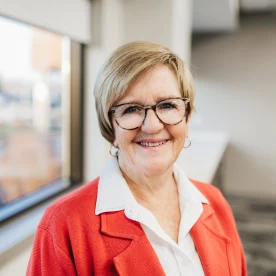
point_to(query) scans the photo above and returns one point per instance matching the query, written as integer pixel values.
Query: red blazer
(72, 240)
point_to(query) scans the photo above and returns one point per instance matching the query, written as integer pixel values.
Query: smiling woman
(142, 216)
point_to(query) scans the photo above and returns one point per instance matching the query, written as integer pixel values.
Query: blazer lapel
(211, 244)
(138, 258)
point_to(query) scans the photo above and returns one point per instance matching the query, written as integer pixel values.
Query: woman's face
(150, 87)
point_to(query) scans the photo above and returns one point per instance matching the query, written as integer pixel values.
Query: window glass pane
(34, 67)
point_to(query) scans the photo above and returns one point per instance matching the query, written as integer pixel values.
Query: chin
(155, 167)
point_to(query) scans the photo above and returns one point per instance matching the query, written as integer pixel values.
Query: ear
(115, 143)
(188, 120)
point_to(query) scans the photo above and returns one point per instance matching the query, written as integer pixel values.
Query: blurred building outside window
(34, 96)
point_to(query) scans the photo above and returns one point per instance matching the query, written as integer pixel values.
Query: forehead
(158, 83)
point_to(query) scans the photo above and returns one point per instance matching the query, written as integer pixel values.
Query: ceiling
(257, 5)
(223, 15)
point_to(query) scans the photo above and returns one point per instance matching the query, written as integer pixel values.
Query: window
(40, 115)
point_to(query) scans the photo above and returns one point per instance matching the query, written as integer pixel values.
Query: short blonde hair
(123, 67)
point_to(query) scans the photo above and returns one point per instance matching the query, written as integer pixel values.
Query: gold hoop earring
(189, 144)
(113, 151)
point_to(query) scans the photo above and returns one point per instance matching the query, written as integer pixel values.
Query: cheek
(180, 132)
(123, 138)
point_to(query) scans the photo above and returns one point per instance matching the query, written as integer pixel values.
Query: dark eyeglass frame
(153, 107)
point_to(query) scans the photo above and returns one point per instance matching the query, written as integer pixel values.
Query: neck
(157, 193)
(151, 191)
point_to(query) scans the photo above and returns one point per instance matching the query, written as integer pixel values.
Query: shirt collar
(114, 193)
(186, 189)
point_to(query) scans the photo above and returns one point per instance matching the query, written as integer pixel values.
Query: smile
(152, 144)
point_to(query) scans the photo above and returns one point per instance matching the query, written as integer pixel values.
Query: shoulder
(215, 197)
(62, 233)
(218, 203)
(212, 193)
(72, 205)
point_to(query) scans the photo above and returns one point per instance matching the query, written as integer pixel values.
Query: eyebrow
(159, 99)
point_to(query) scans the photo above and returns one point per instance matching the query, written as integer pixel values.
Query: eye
(132, 109)
(166, 105)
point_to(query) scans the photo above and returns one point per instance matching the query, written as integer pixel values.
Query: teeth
(152, 144)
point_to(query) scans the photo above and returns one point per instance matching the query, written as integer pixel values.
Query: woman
(142, 216)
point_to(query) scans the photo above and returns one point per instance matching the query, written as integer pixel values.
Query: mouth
(152, 144)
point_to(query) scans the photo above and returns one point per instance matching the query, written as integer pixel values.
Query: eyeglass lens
(131, 116)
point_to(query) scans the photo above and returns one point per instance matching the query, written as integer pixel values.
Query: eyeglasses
(131, 115)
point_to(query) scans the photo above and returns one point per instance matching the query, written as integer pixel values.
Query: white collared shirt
(176, 258)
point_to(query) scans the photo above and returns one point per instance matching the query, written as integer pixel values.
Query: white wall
(181, 28)
(161, 21)
(70, 18)
(110, 23)
(215, 15)
(236, 93)
(148, 20)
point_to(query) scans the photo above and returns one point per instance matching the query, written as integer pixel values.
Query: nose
(151, 123)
